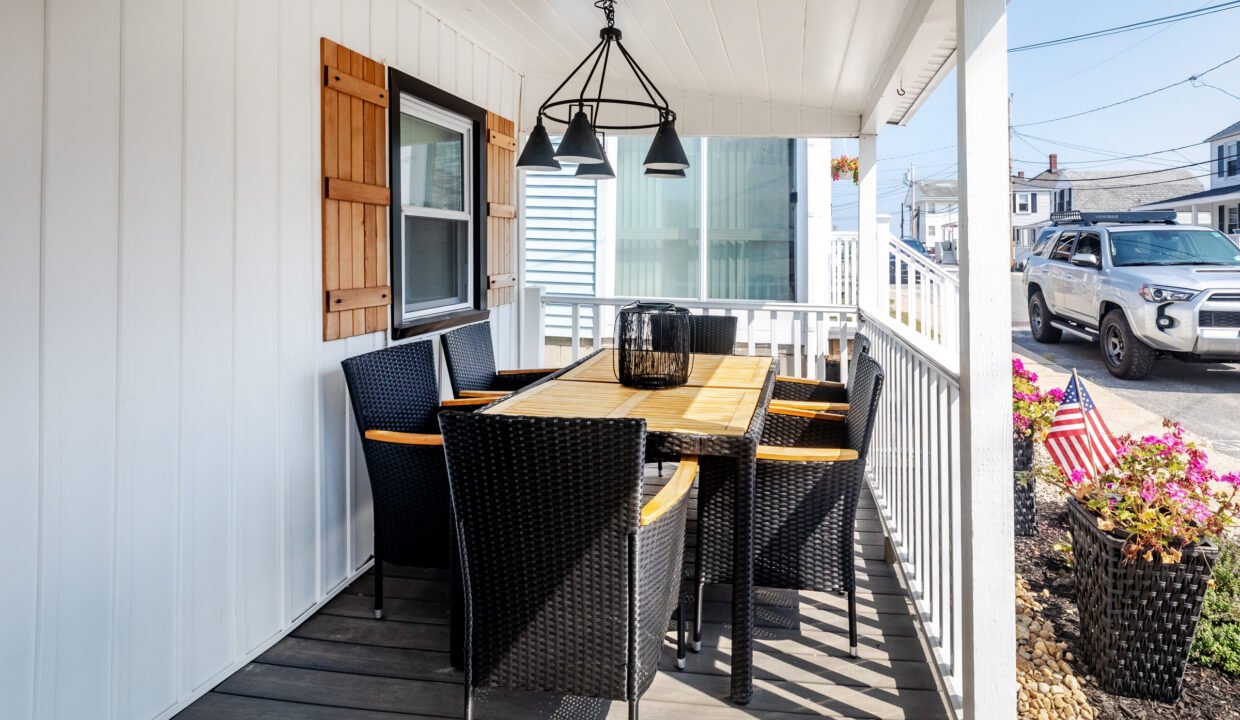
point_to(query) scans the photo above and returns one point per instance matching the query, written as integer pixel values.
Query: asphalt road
(1204, 397)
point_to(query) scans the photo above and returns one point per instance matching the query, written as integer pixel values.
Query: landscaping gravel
(1208, 694)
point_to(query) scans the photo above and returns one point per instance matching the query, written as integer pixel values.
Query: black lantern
(652, 345)
(581, 113)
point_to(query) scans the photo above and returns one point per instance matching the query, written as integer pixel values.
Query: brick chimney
(1054, 162)
(1020, 173)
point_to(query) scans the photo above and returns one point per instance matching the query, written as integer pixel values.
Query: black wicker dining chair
(712, 334)
(569, 580)
(822, 395)
(395, 399)
(470, 357)
(810, 469)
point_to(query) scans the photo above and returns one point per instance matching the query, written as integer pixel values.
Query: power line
(1152, 22)
(1190, 79)
(1104, 61)
(1115, 155)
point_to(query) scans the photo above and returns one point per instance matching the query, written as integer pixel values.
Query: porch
(342, 663)
(184, 481)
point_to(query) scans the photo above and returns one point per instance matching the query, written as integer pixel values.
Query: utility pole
(910, 180)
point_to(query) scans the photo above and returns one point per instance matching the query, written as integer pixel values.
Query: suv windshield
(915, 244)
(1172, 247)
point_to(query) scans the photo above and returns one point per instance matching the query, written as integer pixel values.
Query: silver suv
(1140, 285)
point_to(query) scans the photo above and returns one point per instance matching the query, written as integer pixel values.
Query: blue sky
(1061, 80)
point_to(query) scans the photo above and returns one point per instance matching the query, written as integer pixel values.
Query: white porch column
(819, 236)
(871, 280)
(1194, 211)
(987, 574)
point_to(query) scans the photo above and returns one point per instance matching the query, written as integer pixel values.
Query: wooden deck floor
(341, 663)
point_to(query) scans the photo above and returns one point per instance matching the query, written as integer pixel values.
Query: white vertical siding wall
(181, 478)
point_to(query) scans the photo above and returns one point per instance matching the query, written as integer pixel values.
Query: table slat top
(725, 411)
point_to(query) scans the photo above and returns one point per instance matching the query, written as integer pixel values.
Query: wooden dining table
(717, 415)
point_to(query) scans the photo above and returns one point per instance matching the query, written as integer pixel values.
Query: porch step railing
(804, 339)
(914, 471)
(924, 297)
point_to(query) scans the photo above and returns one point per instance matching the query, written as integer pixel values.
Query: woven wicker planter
(1025, 509)
(1138, 618)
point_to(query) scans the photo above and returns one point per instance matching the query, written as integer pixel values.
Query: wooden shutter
(356, 293)
(501, 211)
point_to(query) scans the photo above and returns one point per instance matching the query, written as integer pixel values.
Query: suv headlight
(1162, 294)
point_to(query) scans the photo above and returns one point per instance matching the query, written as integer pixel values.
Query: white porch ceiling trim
(924, 46)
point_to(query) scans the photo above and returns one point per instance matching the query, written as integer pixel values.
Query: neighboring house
(931, 205)
(1031, 209)
(1220, 205)
(1112, 190)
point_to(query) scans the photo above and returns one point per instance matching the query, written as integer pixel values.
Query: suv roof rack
(1076, 217)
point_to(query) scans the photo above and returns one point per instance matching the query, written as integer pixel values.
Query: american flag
(1078, 438)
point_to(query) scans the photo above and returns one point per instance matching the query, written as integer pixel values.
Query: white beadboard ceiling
(733, 67)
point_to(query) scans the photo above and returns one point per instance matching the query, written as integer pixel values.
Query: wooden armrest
(484, 393)
(811, 414)
(673, 491)
(526, 371)
(814, 405)
(796, 454)
(404, 438)
(469, 401)
(807, 381)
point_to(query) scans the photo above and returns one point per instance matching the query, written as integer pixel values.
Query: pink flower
(1176, 492)
(1230, 478)
(1149, 491)
(1077, 477)
(1200, 511)
(1056, 395)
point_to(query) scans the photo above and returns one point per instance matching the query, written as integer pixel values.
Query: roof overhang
(792, 68)
(1203, 200)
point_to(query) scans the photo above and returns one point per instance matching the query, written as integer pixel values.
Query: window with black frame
(438, 236)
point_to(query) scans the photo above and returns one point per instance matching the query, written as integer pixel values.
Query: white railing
(923, 297)
(803, 338)
(914, 467)
(843, 263)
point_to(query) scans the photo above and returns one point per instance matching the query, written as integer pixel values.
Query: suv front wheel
(1123, 352)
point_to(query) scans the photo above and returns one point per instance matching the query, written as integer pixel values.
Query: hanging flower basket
(844, 165)
(1138, 617)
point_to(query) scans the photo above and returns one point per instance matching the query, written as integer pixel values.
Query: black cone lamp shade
(539, 153)
(579, 145)
(666, 152)
(596, 171)
(665, 174)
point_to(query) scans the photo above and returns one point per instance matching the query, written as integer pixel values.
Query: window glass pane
(1063, 247)
(436, 271)
(431, 159)
(750, 235)
(658, 224)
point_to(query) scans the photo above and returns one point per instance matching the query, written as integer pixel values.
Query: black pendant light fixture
(597, 171)
(539, 153)
(582, 116)
(651, 173)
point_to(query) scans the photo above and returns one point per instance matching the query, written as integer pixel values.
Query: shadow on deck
(342, 663)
